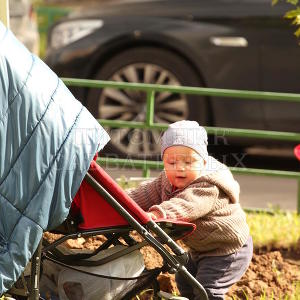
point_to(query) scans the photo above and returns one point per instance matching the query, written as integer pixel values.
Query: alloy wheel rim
(130, 105)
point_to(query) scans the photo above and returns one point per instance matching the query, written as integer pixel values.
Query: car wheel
(145, 65)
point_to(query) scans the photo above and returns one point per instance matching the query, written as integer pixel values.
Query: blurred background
(241, 44)
(230, 44)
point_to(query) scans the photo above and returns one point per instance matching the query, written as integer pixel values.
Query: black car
(236, 44)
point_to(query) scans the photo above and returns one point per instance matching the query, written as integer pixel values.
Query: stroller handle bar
(173, 261)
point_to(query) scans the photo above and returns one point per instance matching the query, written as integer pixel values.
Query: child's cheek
(170, 176)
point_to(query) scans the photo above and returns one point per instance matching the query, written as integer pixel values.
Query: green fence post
(150, 107)
(149, 122)
(146, 171)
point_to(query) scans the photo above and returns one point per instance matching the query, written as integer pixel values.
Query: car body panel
(187, 28)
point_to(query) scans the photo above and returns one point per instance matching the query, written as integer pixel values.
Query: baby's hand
(152, 215)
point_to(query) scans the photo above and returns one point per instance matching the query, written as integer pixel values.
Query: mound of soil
(270, 273)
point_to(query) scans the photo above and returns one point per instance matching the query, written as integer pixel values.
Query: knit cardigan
(211, 202)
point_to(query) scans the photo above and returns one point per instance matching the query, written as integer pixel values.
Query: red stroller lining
(97, 212)
(107, 210)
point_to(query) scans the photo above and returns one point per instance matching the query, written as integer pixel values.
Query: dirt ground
(272, 273)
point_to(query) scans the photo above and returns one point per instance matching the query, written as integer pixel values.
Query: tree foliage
(293, 14)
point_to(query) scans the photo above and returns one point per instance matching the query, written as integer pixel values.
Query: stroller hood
(47, 141)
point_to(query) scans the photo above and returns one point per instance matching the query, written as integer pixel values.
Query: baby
(195, 187)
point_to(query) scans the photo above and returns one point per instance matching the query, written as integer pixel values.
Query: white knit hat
(186, 133)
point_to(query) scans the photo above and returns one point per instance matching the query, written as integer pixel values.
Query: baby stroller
(101, 207)
(48, 140)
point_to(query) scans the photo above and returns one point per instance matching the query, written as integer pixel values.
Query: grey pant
(216, 273)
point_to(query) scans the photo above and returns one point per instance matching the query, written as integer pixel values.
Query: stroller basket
(101, 207)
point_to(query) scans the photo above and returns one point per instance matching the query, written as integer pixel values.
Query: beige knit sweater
(211, 202)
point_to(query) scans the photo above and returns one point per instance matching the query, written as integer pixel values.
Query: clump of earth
(272, 273)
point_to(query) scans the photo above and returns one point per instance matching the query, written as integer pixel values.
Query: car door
(280, 68)
(234, 58)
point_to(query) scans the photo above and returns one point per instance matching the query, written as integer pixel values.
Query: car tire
(135, 63)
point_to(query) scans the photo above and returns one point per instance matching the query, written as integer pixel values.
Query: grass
(296, 295)
(278, 230)
(263, 296)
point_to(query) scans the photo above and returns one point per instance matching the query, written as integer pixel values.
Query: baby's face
(182, 165)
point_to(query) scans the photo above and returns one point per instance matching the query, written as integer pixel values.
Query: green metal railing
(151, 89)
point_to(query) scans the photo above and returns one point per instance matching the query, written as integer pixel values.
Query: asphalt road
(263, 192)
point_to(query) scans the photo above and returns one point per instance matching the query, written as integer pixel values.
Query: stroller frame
(173, 263)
